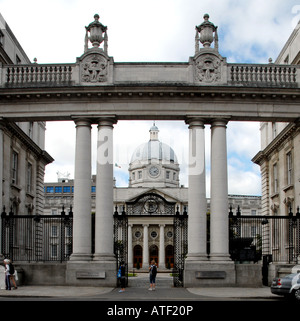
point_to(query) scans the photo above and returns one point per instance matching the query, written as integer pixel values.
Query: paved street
(137, 290)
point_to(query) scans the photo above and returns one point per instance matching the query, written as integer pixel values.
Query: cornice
(289, 130)
(27, 141)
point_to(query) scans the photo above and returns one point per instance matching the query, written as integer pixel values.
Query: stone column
(1, 177)
(82, 192)
(104, 192)
(219, 238)
(130, 257)
(197, 192)
(145, 247)
(1, 165)
(161, 258)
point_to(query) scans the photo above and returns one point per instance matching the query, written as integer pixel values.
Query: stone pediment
(150, 203)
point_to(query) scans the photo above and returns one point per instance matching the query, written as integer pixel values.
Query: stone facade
(279, 153)
(22, 155)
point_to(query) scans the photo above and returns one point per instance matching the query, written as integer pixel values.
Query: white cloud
(159, 30)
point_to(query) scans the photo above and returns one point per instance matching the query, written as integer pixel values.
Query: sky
(249, 31)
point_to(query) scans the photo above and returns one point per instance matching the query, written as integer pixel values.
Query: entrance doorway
(137, 257)
(170, 257)
(153, 254)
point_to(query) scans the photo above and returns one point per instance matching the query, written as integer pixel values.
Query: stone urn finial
(97, 33)
(207, 30)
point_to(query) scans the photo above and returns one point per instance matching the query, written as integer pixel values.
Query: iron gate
(180, 246)
(270, 238)
(38, 238)
(120, 241)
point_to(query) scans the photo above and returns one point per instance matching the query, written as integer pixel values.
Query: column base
(104, 257)
(196, 257)
(209, 273)
(99, 272)
(81, 257)
(220, 257)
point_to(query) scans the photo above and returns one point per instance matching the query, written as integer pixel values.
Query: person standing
(12, 274)
(7, 274)
(123, 277)
(152, 274)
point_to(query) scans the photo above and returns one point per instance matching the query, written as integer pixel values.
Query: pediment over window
(150, 204)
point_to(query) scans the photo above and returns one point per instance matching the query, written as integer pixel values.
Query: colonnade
(196, 193)
(161, 254)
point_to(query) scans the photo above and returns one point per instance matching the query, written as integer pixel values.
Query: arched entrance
(137, 257)
(153, 254)
(169, 257)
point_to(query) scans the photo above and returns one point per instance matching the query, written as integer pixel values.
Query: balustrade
(263, 75)
(38, 75)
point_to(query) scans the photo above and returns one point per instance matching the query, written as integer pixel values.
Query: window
(169, 234)
(138, 234)
(1, 38)
(54, 230)
(54, 211)
(140, 174)
(275, 179)
(29, 178)
(58, 189)
(49, 189)
(167, 174)
(253, 212)
(14, 168)
(54, 250)
(153, 234)
(67, 189)
(289, 167)
(274, 130)
(18, 60)
(30, 129)
(93, 189)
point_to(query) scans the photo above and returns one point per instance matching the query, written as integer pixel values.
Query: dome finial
(154, 132)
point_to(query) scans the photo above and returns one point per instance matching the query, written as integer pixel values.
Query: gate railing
(37, 238)
(121, 241)
(180, 246)
(253, 237)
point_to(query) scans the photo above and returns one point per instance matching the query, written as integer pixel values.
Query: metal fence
(252, 237)
(40, 238)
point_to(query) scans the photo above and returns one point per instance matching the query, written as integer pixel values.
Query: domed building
(151, 201)
(154, 163)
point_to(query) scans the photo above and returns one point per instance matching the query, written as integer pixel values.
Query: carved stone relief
(94, 69)
(208, 68)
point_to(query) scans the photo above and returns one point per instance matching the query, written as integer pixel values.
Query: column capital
(219, 122)
(195, 121)
(82, 121)
(107, 121)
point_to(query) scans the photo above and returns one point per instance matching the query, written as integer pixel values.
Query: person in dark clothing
(152, 273)
(123, 277)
